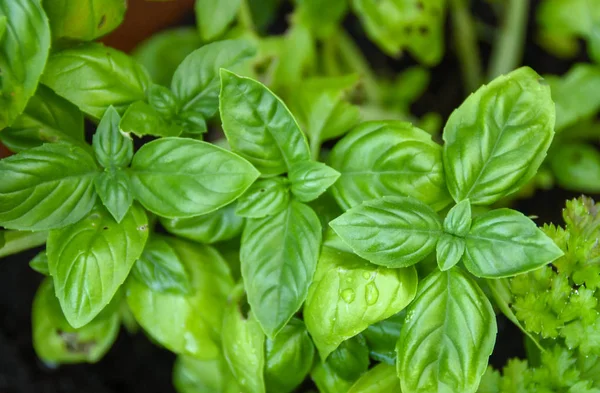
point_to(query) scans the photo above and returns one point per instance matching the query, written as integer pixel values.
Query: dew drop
(371, 293)
(348, 295)
(366, 275)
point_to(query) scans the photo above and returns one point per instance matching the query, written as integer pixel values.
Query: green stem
(17, 241)
(245, 16)
(315, 148)
(508, 50)
(467, 48)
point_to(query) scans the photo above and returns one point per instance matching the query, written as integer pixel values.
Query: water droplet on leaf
(348, 295)
(371, 293)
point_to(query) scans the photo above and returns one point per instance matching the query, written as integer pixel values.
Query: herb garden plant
(268, 209)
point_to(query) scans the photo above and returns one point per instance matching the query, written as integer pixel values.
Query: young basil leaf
(56, 341)
(84, 20)
(259, 126)
(192, 375)
(161, 269)
(90, 260)
(310, 179)
(279, 255)
(178, 177)
(382, 338)
(327, 380)
(243, 346)
(321, 18)
(47, 118)
(213, 17)
(348, 294)
(449, 250)
(504, 242)
(265, 197)
(448, 335)
(220, 225)
(114, 189)
(142, 119)
(162, 100)
(351, 358)
(46, 187)
(14, 242)
(576, 167)
(390, 231)
(385, 159)
(497, 139)
(40, 263)
(193, 123)
(458, 219)
(186, 324)
(113, 149)
(105, 77)
(23, 53)
(289, 357)
(380, 379)
(196, 80)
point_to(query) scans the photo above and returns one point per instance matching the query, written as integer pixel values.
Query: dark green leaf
(114, 189)
(351, 358)
(213, 17)
(382, 338)
(113, 149)
(449, 250)
(162, 100)
(265, 197)
(141, 119)
(310, 179)
(576, 167)
(327, 380)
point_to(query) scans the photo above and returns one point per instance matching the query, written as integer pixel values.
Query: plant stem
(508, 50)
(17, 241)
(467, 47)
(245, 16)
(315, 148)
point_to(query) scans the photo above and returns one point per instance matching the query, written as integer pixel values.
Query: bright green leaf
(213, 17)
(327, 380)
(458, 219)
(321, 17)
(141, 119)
(114, 189)
(192, 375)
(112, 148)
(380, 379)
(265, 197)
(449, 250)
(310, 179)
(40, 263)
(162, 100)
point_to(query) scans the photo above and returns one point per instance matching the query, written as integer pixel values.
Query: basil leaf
(348, 294)
(289, 357)
(265, 197)
(114, 189)
(458, 219)
(141, 119)
(351, 358)
(327, 380)
(213, 17)
(504, 242)
(162, 100)
(90, 260)
(196, 80)
(14, 242)
(198, 176)
(112, 148)
(23, 53)
(192, 375)
(47, 118)
(56, 341)
(310, 179)
(105, 77)
(576, 166)
(161, 269)
(40, 263)
(186, 324)
(222, 224)
(46, 187)
(388, 158)
(390, 231)
(382, 338)
(497, 139)
(259, 126)
(296, 56)
(447, 337)
(449, 250)
(279, 256)
(243, 346)
(380, 379)
(84, 20)
(321, 18)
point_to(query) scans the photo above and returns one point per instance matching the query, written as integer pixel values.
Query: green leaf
(388, 158)
(380, 379)
(416, 26)
(192, 375)
(243, 346)
(179, 177)
(24, 48)
(84, 20)
(504, 242)
(382, 338)
(289, 357)
(449, 250)
(458, 219)
(162, 100)
(14, 242)
(310, 179)
(327, 380)
(3, 23)
(40, 263)
(265, 197)
(296, 57)
(56, 341)
(576, 167)
(46, 187)
(348, 294)
(390, 231)
(279, 255)
(213, 17)
(259, 126)
(196, 81)
(47, 118)
(113, 149)
(141, 119)
(105, 77)
(220, 225)
(90, 260)
(186, 324)
(448, 335)
(497, 139)
(114, 189)
(322, 18)
(161, 269)
(351, 358)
